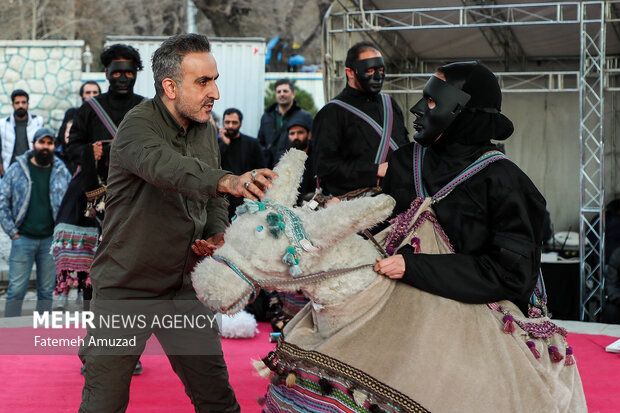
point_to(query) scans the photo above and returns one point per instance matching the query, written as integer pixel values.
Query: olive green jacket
(161, 197)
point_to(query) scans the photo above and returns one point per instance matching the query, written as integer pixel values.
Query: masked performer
(493, 217)
(78, 224)
(354, 134)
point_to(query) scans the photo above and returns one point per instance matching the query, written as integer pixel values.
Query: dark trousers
(108, 371)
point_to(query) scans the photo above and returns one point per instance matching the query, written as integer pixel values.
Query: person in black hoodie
(493, 220)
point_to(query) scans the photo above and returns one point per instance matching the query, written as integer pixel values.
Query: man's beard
(184, 110)
(20, 113)
(231, 133)
(299, 144)
(43, 157)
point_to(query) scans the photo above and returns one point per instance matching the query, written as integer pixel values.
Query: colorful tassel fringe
(570, 359)
(533, 349)
(556, 357)
(291, 379)
(415, 243)
(509, 327)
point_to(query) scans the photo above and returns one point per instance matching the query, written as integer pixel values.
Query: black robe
(345, 146)
(494, 221)
(87, 129)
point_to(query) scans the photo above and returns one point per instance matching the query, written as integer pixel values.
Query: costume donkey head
(276, 246)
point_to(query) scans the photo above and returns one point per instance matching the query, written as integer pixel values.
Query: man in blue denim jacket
(30, 195)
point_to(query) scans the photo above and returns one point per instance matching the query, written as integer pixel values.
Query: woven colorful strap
(103, 116)
(255, 285)
(478, 165)
(418, 157)
(384, 131)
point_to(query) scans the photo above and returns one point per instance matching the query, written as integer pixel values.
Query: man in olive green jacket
(163, 210)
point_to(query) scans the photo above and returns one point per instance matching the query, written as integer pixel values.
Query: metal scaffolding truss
(459, 16)
(591, 172)
(596, 74)
(511, 82)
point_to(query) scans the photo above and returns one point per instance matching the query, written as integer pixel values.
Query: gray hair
(166, 61)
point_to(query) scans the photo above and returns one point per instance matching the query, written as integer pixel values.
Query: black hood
(482, 119)
(470, 134)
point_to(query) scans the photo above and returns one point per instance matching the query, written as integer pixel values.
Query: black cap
(42, 133)
(303, 121)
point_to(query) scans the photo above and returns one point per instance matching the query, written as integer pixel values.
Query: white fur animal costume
(366, 343)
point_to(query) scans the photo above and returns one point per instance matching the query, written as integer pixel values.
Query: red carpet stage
(52, 384)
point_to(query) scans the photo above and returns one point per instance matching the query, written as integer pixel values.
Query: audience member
(30, 195)
(17, 130)
(240, 153)
(355, 134)
(272, 134)
(299, 135)
(61, 148)
(88, 89)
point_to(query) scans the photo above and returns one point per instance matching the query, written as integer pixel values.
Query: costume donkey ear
(290, 169)
(329, 225)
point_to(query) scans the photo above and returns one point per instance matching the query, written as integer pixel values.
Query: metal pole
(591, 173)
(191, 17)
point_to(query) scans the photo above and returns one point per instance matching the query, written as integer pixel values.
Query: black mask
(20, 113)
(123, 84)
(371, 83)
(449, 102)
(43, 157)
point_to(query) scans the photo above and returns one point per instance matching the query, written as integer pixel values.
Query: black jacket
(274, 142)
(494, 221)
(345, 146)
(241, 155)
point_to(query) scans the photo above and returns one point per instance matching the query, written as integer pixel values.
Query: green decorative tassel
(295, 271)
(274, 218)
(275, 230)
(241, 209)
(254, 206)
(288, 259)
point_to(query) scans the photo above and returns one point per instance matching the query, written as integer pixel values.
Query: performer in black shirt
(354, 134)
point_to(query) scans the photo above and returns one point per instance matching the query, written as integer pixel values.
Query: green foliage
(302, 97)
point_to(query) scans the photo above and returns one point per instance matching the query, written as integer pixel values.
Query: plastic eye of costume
(260, 233)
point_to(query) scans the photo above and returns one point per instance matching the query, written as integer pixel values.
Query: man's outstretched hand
(251, 184)
(206, 247)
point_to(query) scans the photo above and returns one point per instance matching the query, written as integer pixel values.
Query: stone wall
(49, 70)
